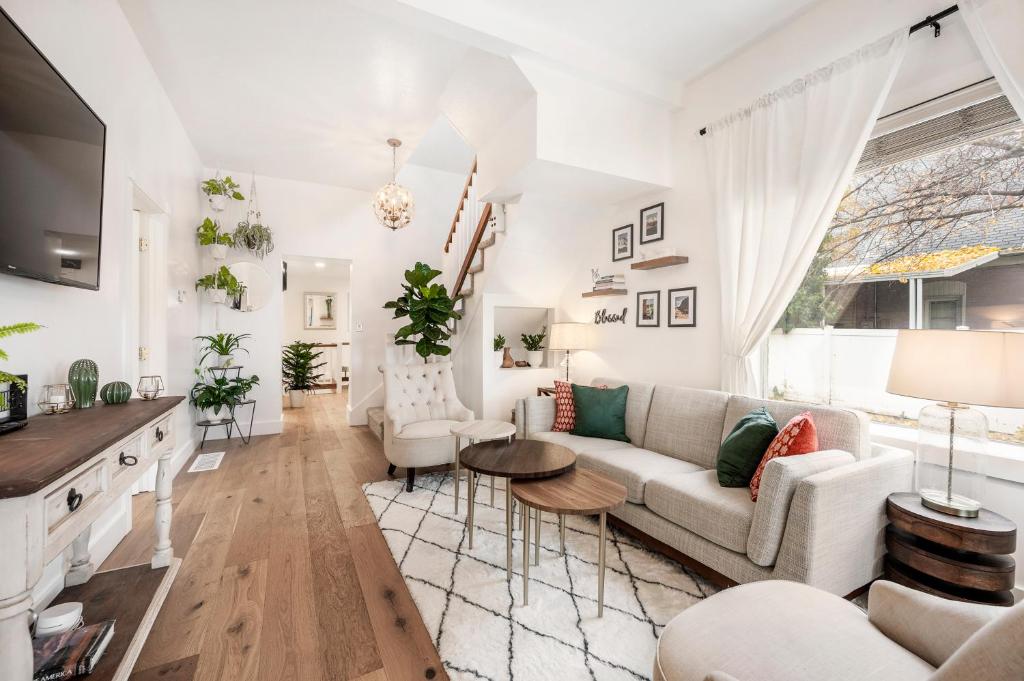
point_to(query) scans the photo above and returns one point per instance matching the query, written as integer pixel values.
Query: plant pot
(506, 361)
(535, 357)
(217, 295)
(218, 202)
(498, 355)
(297, 398)
(218, 251)
(209, 416)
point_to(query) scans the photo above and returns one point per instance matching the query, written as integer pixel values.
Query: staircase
(473, 231)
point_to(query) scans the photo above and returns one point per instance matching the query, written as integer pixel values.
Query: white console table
(57, 476)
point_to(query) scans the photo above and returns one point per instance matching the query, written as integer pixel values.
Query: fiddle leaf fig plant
(429, 309)
(215, 186)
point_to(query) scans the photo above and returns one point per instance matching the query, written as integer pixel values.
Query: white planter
(207, 415)
(218, 202)
(218, 251)
(297, 398)
(5, 396)
(217, 295)
(535, 357)
(499, 355)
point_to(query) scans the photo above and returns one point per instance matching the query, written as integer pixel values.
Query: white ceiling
(335, 268)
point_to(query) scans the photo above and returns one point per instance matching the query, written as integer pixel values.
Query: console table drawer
(126, 458)
(160, 435)
(74, 496)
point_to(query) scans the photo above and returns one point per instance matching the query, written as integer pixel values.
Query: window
(930, 234)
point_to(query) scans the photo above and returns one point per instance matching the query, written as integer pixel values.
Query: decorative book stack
(609, 281)
(72, 653)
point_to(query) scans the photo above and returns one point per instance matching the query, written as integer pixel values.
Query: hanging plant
(220, 285)
(251, 234)
(218, 191)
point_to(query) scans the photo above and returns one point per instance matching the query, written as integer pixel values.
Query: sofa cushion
(686, 423)
(744, 447)
(426, 429)
(796, 437)
(697, 502)
(837, 427)
(638, 405)
(578, 443)
(600, 412)
(565, 408)
(633, 467)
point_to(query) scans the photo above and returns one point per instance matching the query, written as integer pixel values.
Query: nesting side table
(478, 431)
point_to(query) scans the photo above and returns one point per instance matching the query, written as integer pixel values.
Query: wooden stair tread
(476, 269)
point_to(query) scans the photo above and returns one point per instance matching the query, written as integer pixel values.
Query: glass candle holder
(56, 399)
(150, 387)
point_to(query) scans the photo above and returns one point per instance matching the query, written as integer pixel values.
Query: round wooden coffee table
(530, 459)
(578, 492)
(478, 431)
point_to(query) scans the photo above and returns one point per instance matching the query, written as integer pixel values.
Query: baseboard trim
(272, 427)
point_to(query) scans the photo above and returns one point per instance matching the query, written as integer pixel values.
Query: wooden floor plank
(178, 670)
(231, 649)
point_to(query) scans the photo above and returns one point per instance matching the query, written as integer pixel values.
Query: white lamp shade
(984, 368)
(571, 336)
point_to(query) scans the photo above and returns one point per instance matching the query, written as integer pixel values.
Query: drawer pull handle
(74, 500)
(127, 459)
(159, 434)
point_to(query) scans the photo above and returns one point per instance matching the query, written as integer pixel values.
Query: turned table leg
(526, 554)
(21, 529)
(81, 569)
(471, 502)
(163, 552)
(508, 530)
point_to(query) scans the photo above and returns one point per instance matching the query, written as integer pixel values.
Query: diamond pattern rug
(476, 617)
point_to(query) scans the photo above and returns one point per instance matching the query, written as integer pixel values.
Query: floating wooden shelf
(655, 263)
(605, 292)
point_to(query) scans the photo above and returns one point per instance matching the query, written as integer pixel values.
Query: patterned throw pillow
(799, 436)
(565, 407)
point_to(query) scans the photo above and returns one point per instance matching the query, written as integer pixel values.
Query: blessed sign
(604, 317)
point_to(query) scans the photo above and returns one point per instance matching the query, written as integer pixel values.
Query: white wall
(324, 221)
(295, 305)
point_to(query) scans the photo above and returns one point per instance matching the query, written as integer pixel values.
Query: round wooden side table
(478, 431)
(964, 559)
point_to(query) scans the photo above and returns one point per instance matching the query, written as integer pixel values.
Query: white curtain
(996, 28)
(779, 169)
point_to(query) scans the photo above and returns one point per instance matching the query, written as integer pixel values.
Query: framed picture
(652, 223)
(648, 308)
(622, 243)
(682, 306)
(321, 311)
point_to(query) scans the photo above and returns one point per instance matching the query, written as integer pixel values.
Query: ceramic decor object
(117, 392)
(84, 378)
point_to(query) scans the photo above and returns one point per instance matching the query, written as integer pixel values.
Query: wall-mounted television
(52, 148)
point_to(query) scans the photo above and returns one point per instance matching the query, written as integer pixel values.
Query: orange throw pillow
(565, 407)
(799, 436)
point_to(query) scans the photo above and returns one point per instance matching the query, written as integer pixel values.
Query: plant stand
(231, 423)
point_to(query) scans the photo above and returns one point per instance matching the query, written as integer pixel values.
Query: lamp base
(950, 504)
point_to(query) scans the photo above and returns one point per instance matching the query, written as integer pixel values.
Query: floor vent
(209, 461)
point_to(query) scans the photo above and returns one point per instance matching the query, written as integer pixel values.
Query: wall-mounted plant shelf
(655, 263)
(605, 292)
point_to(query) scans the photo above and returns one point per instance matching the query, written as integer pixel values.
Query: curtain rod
(930, 20)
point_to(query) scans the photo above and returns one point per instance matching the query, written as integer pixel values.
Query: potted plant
(7, 379)
(219, 394)
(223, 345)
(254, 236)
(219, 285)
(533, 342)
(298, 371)
(429, 309)
(499, 349)
(209, 234)
(218, 192)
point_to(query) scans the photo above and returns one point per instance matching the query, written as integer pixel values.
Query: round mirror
(257, 287)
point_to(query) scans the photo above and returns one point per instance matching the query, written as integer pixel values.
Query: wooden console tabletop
(51, 446)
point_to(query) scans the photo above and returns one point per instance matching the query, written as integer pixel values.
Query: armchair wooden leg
(391, 470)
(410, 479)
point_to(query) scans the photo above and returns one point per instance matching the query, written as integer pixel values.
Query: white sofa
(819, 518)
(419, 411)
(782, 631)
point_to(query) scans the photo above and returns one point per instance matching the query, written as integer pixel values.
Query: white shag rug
(476, 617)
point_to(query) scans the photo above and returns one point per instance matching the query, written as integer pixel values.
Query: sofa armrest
(835, 533)
(781, 478)
(931, 627)
(534, 415)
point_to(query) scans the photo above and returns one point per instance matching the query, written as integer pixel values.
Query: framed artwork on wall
(622, 243)
(648, 308)
(652, 223)
(682, 306)
(321, 311)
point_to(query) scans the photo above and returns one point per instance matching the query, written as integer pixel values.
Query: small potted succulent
(298, 371)
(534, 344)
(220, 285)
(218, 191)
(208, 234)
(499, 349)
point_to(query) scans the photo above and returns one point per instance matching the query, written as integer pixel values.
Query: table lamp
(957, 369)
(570, 336)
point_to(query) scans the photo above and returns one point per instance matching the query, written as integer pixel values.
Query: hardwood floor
(285, 574)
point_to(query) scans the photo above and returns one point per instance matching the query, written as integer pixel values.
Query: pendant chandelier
(393, 204)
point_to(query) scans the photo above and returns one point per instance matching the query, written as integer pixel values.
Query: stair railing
(467, 231)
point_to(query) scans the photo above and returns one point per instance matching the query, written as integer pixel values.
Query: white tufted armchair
(420, 409)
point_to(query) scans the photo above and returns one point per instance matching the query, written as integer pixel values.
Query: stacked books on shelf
(72, 653)
(609, 281)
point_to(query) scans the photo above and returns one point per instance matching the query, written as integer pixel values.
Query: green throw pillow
(743, 449)
(601, 412)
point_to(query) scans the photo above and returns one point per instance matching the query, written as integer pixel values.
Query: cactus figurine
(117, 392)
(84, 377)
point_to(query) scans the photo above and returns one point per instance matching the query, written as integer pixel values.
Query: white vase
(209, 416)
(535, 357)
(498, 356)
(297, 398)
(217, 295)
(218, 251)
(218, 202)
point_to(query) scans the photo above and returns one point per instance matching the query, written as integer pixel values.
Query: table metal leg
(561, 534)
(471, 501)
(457, 475)
(508, 530)
(536, 540)
(600, 565)
(492, 491)
(526, 555)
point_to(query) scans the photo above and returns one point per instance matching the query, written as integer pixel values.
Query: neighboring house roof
(944, 263)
